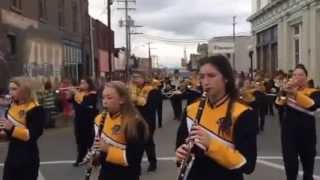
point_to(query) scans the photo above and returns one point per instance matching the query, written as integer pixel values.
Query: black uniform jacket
(28, 120)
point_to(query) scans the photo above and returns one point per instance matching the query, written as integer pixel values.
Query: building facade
(41, 39)
(225, 45)
(287, 32)
(103, 45)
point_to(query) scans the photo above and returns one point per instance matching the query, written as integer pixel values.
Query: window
(61, 19)
(42, 10)
(16, 5)
(258, 4)
(296, 42)
(12, 43)
(74, 16)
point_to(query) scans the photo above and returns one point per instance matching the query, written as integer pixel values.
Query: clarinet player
(225, 137)
(123, 136)
(23, 125)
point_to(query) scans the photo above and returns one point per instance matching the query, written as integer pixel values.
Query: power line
(171, 40)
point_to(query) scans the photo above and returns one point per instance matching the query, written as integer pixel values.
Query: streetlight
(250, 49)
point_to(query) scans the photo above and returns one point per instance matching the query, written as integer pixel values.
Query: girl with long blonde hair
(123, 134)
(22, 125)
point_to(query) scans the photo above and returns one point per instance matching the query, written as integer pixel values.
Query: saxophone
(187, 163)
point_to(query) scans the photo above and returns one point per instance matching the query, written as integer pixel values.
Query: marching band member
(123, 135)
(193, 90)
(176, 98)
(298, 130)
(145, 100)
(226, 135)
(159, 100)
(22, 125)
(84, 103)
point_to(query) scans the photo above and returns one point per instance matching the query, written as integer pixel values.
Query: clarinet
(186, 164)
(93, 153)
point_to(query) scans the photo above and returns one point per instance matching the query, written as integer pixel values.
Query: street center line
(280, 167)
(40, 176)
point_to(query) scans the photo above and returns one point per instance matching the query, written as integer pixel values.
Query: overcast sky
(175, 19)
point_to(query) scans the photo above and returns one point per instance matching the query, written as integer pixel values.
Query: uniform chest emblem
(22, 114)
(116, 129)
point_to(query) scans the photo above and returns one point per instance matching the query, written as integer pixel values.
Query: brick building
(44, 38)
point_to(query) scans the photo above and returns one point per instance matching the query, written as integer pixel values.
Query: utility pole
(92, 49)
(109, 44)
(234, 43)
(150, 59)
(127, 26)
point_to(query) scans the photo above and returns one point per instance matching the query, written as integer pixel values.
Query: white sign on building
(222, 48)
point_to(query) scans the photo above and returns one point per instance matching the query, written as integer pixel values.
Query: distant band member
(298, 129)
(226, 135)
(144, 97)
(84, 102)
(123, 135)
(22, 125)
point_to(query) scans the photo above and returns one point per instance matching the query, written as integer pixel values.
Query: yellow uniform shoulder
(238, 109)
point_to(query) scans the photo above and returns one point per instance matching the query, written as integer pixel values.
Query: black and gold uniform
(84, 104)
(124, 155)
(247, 97)
(298, 131)
(261, 103)
(22, 161)
(145, 100)
(193, 91)
(229, 155)
(159, 100)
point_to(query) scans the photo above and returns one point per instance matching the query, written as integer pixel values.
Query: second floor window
(42, 9)
(16, 4)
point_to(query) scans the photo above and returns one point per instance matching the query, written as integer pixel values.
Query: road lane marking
(159, 158)
(280, 167)
(40, 176)
(260, 160)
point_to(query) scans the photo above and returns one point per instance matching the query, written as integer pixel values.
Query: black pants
(84, 140)
(28, 172)
(150, 148)
(176, 103)
(294, 147)
(159, 112)
(270, 101)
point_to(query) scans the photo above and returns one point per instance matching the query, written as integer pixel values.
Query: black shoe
(76, 164)
(152, 167)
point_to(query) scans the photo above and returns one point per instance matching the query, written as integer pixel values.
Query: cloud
(178, 19)
(201, 18)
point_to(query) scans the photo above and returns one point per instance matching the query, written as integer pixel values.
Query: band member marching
(225, 136)
(123, 135)
(84, 102)
(298, 130)
(159, 100)
(22, 125)
(144, 97)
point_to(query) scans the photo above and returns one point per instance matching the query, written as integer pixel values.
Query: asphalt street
(57, 148)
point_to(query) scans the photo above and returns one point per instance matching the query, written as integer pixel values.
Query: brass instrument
(282, 95)
(187, 163)
(246, 96)
(69, 88)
